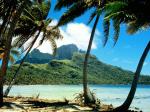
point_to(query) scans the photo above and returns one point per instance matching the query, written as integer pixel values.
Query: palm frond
(116, 6)
(74, 11)
(28, 14)
(42, 40)
(133, 27)
(40, 10)
(15, 52)
(53, 45)
(22, 39)
(116, 26)
(53, 32)
(11, 59)
(45, 6)
(64, 3)
(92, 16)
(1, 50)
(2, 55)
(106, 27)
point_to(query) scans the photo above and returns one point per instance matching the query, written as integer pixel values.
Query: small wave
(142, 97)
(136, 97)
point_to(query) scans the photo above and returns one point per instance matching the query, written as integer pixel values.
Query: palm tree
(34, 22)
(134, 13)
(88, 98)
(76, 9)
(15, 14)
(6, 11)
(125, 106)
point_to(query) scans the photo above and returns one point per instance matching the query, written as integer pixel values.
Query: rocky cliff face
(63, 52)
(66, 51)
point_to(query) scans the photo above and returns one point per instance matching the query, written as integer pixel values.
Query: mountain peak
(66, 51)
(63, 52)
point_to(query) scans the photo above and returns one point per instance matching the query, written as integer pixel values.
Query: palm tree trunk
(17, 71)
(7, 50)
(87, 96)
(3, 71)
(125, 106)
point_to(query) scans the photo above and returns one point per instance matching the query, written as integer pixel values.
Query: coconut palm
(8, 8)
(119, 11)
(125, 106)
(6, 11)
(10, 26)
(134, 13)
(75, 9)
(32, 23)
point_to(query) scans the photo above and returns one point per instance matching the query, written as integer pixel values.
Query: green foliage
(75, 8)
(14, 53)
(34, 19)
(131, 12)
(70, 72)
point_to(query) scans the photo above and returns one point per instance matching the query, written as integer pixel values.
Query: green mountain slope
(70, 72)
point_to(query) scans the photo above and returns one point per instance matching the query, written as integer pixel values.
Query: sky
(125, 54)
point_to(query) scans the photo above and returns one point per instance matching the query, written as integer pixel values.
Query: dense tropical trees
(28, 19)
(32, 23)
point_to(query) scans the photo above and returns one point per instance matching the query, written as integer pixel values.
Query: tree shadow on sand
(56, 105)
(10, 105)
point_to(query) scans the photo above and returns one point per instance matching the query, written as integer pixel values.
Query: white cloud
(73, 33)
(77, 33)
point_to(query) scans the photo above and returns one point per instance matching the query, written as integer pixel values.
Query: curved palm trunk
(17, 71)
(7, 50)
(88, 97)
(125, 106)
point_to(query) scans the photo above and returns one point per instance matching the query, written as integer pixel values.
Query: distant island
(66, 68)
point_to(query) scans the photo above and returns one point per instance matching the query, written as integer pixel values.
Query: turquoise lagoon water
(109, 94)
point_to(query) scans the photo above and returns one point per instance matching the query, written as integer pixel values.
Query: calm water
(110, 94)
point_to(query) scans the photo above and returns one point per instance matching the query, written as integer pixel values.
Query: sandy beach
(30, 104)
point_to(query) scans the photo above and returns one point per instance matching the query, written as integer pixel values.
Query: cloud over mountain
(73, 33)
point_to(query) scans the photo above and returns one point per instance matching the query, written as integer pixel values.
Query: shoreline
(139, 85)
(29, 104)
(54, 92)
(34, 104)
